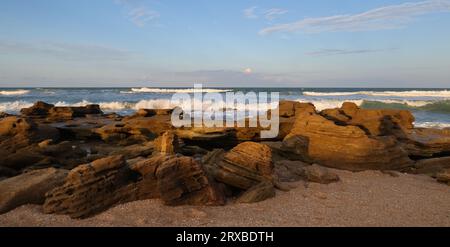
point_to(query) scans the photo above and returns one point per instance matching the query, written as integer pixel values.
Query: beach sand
(367, 198)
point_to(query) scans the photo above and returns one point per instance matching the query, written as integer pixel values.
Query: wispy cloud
(137, 13)
(269, 14)
(272, 14)
(250, 13)
(387, 17)
(66, 51)
(141, 15)
(333, 52)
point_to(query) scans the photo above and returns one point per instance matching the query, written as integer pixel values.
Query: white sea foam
(412, 93)
(434, 125)
(114, 105)
(174, 90)
(206, 105)
(14, 106)
(14, 92)
(328, 104)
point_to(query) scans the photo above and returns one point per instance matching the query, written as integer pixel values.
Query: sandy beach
(368, 198)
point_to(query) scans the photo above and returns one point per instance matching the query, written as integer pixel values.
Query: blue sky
(298, 43)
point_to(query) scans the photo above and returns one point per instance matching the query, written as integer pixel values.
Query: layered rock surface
(114, 159)
(348, 146)
(29, 188)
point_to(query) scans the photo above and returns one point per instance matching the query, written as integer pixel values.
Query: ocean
(431, 107)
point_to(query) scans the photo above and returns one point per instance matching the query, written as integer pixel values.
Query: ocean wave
(431, 106)
(442, 106)
(175, 90)
(433, 125)
(14, 92)
(411, 93)
(14, 106)
(114, 105)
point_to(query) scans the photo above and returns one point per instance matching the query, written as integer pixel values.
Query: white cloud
(272, 14)
(141, 15)
(248, 71)
(269, 14)
(388, 17)
(250, 13)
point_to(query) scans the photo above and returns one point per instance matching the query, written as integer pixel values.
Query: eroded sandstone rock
(29, 188)
(244, 166)
(71, 112)
(19, 138)
(374, 121)
(444, 176)
(319, 174)
(92, 188)
(42, 109)
(431, 166)
(257, 193)
(181, 180)
(290, 171)
(347, 146)
(167, 143)
(38, 109)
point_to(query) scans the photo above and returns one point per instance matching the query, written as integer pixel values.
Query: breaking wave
(433, 106)
(175, 90)
(14, 106)
(412, 93)
(14, 92)
(442, 106)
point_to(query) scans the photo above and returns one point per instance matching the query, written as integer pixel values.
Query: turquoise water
(431, 107)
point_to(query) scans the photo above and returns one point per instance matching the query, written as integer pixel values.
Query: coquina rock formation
(80, 161)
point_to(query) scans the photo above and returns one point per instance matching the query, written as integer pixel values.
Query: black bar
(223, 236)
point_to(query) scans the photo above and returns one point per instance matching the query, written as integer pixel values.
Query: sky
(278, 43)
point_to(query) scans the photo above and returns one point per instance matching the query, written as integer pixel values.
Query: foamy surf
(14, 106)
(411, 93)
(434, 125)
(175, 90)
(14, 92)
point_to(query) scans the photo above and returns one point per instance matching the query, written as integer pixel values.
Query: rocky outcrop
(348, 146)
(424, 143)
(444, 176)
(66, 112)
(177, 180)
(167, 143)
(375, 122)
(92, 188)
(319, 174)
(57, 113)
(19, 138)
(296, 145)
(289, 109)
(39, 109)
(152, 112)
(208, 138)
(245, 166)
(181, 180)
(135, 129)
(4, 114)
(97, 186)
(144, 157)
(430, 166)
(29, 188)
(289, 171)
(257, 193)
